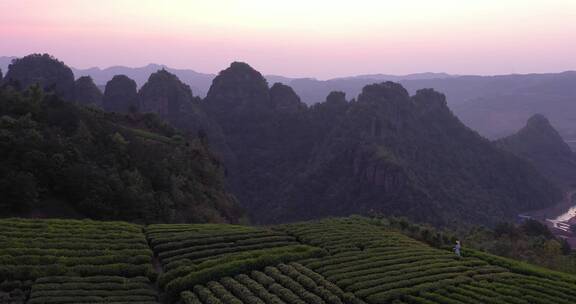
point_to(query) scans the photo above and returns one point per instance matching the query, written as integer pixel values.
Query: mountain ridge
(385, 151)
(495, 106)
(539, 142)
(382, 152)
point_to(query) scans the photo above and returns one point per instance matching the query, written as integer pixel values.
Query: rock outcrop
(120, 95)
(284, 99)
(168, 97)
(86, 92)
(385, 152)
(165, 95)
(396, 154)
(238, 87)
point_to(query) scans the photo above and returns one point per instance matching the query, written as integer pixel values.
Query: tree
(535, 228)
(19, 193)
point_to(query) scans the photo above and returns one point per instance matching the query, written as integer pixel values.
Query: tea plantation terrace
(351, 260)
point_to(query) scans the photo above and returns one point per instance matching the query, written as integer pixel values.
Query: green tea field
(334, 261)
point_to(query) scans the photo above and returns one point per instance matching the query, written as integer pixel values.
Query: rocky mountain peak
(430, 99)
(385, 105)
(539, 121)
(164, 94)
(120, 95)
(383, 92)
(237, 86)
(284, 99)
(163, 75)
(86, 92)
(336, 97)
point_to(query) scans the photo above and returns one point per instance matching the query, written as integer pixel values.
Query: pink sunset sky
(298, 38)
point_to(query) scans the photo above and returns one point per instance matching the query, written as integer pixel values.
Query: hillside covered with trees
(384, 152)
(58, 159)
(540, 143)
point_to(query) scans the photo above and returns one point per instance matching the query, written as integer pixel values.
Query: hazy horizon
(322, 39)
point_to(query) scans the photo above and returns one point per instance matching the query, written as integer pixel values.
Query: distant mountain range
(495, 106)
(200, 82)
(385, 152)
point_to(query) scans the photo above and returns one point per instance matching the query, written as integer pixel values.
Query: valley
(558, 218)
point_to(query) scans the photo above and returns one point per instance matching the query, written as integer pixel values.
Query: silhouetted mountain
(164, 94)
(508, 102)
(387, 152)
(120, 95)
(239, 101)
(404, 155)
(199, 82)
(384, 152)
(42, 69)
(86, 92)
(239, 88)
(493, 105)
(1, 76)
(284, 99)
(397, 78)
(59, 159)
(540, 143)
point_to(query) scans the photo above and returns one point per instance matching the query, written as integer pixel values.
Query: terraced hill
(72, 261)
(334, 261)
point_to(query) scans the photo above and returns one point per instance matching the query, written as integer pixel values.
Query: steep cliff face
(51, 74)
(404, 155)
(86, 92)
(541, 144)
(284, 99)
(172, 100)
(240, 101)
(165, 95)
(239, 85)
(384, 152)
(325, 116)
(120, 95)
(264, 128)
